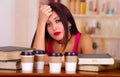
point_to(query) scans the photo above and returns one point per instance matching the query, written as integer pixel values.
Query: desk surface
(45, 72)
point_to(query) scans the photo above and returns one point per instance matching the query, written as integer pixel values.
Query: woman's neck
(63, 42)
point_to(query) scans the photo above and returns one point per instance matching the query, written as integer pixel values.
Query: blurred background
(18, 19)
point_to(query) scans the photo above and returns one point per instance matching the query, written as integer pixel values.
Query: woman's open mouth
(57, 33)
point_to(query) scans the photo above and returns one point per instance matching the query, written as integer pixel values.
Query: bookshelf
(103, 28)
(101, 20)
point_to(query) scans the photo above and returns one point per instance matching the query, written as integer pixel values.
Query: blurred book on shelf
(92, 7)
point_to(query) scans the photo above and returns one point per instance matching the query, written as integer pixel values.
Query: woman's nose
(54, 26)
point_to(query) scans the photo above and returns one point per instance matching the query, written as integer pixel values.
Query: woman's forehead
(53, 16)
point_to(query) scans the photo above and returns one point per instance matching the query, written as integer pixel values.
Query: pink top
(75, 47)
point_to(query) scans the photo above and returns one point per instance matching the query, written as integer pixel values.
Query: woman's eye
(48, 24)
(58, 21)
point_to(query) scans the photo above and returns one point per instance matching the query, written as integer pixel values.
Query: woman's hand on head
(44, 12)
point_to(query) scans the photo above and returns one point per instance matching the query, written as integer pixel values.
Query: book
(87, 72)
(83, 7)
(10, 64)
(12, 52)
(72, 6)
(97, 68)
(91, 7)
(8, 71)
(77, 7)
(103, 7)
(95, 59)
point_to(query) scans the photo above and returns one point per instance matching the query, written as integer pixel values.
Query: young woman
(57, 31)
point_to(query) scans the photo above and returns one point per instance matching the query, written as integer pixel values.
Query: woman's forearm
(39, 41)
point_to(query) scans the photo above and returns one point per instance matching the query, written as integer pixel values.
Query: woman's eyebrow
(56, 18)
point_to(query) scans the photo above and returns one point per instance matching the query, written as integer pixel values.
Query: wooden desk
(112, 73)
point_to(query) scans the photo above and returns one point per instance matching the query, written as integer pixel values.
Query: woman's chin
(58, 39)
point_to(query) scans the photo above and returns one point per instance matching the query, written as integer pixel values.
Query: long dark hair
(65, 17)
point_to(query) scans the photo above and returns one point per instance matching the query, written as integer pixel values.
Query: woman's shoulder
(85, 38)
(84, 35)
(85, 43)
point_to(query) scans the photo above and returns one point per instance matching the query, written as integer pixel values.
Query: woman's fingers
(44, 12)
(45, 9)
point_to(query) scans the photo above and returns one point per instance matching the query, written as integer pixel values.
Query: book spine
(83, 7)
(77, 7)
(91, 7)
(103, 7)
(72, 6)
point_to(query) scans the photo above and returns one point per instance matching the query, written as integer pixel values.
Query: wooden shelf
(105, 37)
(96, 16)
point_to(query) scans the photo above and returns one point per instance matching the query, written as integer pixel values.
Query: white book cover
(95, 59)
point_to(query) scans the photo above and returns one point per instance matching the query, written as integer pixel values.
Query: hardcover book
(12, 52)
(10, 64)
(95, 59)
(97, 68)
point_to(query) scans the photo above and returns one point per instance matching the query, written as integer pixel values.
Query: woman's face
(55, 27)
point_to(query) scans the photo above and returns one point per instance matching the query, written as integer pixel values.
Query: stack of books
(10, 57)
(96, 62)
